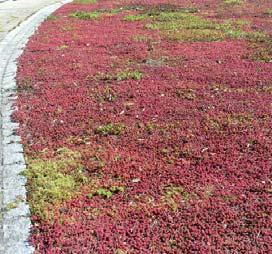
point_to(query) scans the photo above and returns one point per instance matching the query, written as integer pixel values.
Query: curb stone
(14, 211)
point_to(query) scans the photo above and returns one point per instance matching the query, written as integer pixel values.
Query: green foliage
(222, 122)
(62, 47)
(233, 2)
(52, 17)
(153, 11)
(134, 17)
(86, 15)
(119, 76)
(174, 194)
(104, 193)
(262, 54)
(189, 27)
(110, 129)
(182, 26)
(84, 1)
(107, 192)
(150, 127)
(106, 95)
(120, 251)
(116, 10)
(261, 45)
(127, 74)
(141, 38)
(259, 37)
(51, 181)
(269, 12)
(171, 191)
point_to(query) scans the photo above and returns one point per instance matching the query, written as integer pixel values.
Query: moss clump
(268, 12)
(173, 195)
(51, 181)
(84, 1)
(150, 127)
(260, 46)
(183, 24)
(174, 191)
(62, 47)
(134, 17)
(52, 17)
(189, 27)
(86, 15)
(106, 95)
(233, 2)
(107, 192)
(110, 129)
(127, 74)
(239, 119)
(224, 122)
(120, 251)
(120, 76)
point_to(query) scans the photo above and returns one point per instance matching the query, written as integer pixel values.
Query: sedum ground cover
(147, 127)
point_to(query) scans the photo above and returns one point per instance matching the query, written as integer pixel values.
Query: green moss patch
(107, 192)
(173, 195)
(233, 2)
(110, 129)
(119, 76)
(51, 181)
(261, 47)
(84, 1)
(190, 27)
(228, 121)
(106, 95)
(52, 17)
(268, 12)
(183, 24)
(86, 15)
(134, 17)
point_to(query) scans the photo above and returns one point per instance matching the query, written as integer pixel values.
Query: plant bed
(147, 127)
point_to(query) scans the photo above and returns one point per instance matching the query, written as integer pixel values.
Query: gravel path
(14, 211)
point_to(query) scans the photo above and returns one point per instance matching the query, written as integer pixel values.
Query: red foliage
(200, 118)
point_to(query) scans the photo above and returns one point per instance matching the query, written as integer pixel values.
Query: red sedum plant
(147, 127)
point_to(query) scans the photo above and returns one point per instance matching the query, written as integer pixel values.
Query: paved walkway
(18, 20)
(14, 12)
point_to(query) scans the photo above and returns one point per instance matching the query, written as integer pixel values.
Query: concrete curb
(14, 211)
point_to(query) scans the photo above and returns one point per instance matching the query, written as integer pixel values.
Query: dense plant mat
(147, 127)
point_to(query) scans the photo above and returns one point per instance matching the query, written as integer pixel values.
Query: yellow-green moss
(52, 17)
(225, 121)
(119, 76)
(84, 1)
(173, 195)
(86, 15)
(268, 12)
(110, 129)
(106, 95)
(190, 27)
(107, 192)
(51, 181)
(120, 251)
(134, 17)
(233, 2)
